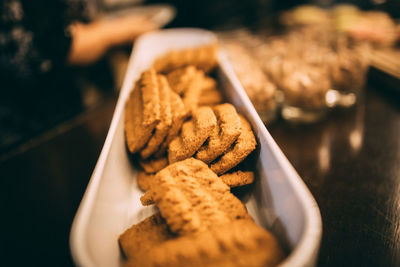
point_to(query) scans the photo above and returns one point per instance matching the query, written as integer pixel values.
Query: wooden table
(350, 162)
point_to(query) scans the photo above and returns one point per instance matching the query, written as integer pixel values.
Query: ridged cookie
(137, 134)
(193, 198)
(164, 125)
(210, 97)
(180, 79)
(193, 134)
(150, 97)
(240, 243)
(144, 180)
(202, 57)
(153, 165)
(179, 114)
(243, 146)
(238, 178)
(143, 236)
(227, 131)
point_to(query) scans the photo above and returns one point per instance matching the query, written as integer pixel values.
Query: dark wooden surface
(350, 162)
(42, 185)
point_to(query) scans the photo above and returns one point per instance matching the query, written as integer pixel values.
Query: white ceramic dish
(279, 202)
(160, 14)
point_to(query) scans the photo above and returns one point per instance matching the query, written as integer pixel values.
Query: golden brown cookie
(164, 125)
(143, 236)
(193, 134)
(137, 134)
(227, 131)
(202, 57)
(240, 243)
(147, 199)
(234, 179)
(153, 165)
(209, 84)
(238, 178)
(190, 83)
(180, 79)
(243, 146)
(150, 97)
(210, 97)
(179, 114)
(192, 94)
(144, 180)
(193, 198)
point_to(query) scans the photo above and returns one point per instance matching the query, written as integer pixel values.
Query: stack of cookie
(188, 142)
(175, 112)
(200, 223)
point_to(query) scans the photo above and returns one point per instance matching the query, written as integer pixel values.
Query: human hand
(91, 41)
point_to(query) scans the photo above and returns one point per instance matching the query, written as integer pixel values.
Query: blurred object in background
(312, 67)
(318, 60)
(110, 4)
(48, 56)
(374, 27)
(221, 14)
(261, 91)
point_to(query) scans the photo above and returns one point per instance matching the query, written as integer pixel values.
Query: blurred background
(323, 75)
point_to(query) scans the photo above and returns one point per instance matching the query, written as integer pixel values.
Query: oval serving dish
(279, 201)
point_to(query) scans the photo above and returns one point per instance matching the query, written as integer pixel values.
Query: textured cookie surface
(144, 180)
(238, 178)
(193, 134)
(190, 83)
(153, 165)
(192, 94)
(193, 198)
(180, 79)
(163, 126)
(137, 134)
(227, 131)
(179, 114)
(243, 146)
(210, 97)
(150, 97)
(202, 57)
(141, 237)
(233, 179)
(239, 243)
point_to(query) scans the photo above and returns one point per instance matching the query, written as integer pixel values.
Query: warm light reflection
(324, 158)
(331, 98)
(355, 139)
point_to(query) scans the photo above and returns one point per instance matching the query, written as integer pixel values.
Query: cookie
(150, 97)
(227, 131)
(238, 178)
(234, 179)
(144, 180)
(147, 199)
(137, 134)
(153, 165)
(192, 84)
(163, 126)
(193, 134)
(179, 114)
(193, 198)
(192, 93)
(180, 79)
(210, 97)
(238, 244)
(143, 236)
(243, 146)
(202, 57)
(209, 84)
